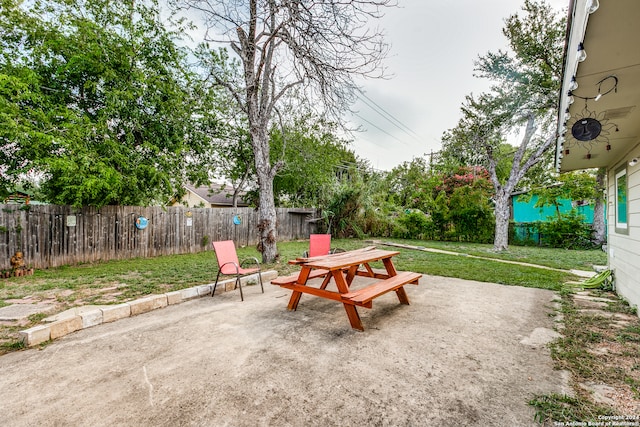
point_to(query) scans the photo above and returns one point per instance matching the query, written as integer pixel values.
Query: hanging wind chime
(589, 128)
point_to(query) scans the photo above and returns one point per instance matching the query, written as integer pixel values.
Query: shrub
(568, 231)
(413, 225)
(471, 215)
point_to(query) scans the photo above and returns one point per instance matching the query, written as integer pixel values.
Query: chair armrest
(255, 260)
(232, 263)
(337, 250)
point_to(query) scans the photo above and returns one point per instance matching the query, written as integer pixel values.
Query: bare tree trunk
(599, 227)
(503, 215)
(519, 168)
(267, 225)
(267, 207)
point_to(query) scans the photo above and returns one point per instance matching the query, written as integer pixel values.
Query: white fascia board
(579, 16)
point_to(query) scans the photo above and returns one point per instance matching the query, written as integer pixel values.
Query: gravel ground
(463, 353)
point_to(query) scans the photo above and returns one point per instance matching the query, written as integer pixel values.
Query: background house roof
(217, 194)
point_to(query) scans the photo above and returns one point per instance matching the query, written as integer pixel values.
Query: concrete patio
(463, 353)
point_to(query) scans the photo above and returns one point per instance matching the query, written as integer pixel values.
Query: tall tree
(113, 93)
(525, 87)
(577, 185)
(25, 116)
(316, 47)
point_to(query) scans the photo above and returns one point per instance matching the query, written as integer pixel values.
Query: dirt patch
(463, 353)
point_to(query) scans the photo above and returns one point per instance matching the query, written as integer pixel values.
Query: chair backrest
(319, 244)
(225, 253)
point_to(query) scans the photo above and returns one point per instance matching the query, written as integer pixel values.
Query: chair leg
(238, 284)
(216, 284)
(260, 278)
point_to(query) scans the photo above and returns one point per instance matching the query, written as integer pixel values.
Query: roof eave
(579, 11)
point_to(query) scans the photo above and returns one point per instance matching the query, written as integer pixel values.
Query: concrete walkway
(463, 353)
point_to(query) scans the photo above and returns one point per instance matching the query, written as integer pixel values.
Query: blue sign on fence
(141, 223)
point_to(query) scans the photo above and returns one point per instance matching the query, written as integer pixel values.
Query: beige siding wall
(192, 200)
(624, 249)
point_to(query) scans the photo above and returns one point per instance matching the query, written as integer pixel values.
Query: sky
(433, 48)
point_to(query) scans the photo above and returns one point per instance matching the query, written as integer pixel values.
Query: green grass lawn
(556, 258)
(135, 277)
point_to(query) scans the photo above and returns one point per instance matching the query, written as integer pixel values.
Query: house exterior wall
(624, 246)
(193, 200)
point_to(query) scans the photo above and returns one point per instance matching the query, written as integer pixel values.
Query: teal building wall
(527, 212)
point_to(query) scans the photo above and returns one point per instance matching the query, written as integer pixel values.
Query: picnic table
(343, 268)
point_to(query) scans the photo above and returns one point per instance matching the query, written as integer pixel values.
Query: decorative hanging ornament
(586, 129)
(141, 223)
(589, 128)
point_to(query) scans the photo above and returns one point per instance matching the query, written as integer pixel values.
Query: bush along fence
(51, 235)
(569, 232)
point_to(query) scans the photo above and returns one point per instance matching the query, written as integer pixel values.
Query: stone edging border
(59, 328)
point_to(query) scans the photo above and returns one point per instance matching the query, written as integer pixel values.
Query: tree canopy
(101, 102)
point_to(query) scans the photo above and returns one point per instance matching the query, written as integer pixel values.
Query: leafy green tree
(312, 157)
(357, 206)
(112, 95)
(577, 185)
(440, 214)
(411, 184)
(228, 154)
(25, 115)
(471, 214)
(462, 207)
(587, 186)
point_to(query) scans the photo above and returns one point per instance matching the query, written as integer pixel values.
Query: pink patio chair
(320, 244)
(228, 265)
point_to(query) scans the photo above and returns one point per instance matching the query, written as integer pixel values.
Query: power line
(380, 129)
(388, 116)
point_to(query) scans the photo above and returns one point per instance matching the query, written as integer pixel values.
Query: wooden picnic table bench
(342, 268)
(363, 297)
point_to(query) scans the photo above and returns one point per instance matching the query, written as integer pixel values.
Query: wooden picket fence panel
(52, 235)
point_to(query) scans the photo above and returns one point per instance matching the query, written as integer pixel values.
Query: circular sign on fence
(141, 223)
(237, 220)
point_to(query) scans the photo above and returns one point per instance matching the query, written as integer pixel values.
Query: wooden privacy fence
(51, 236)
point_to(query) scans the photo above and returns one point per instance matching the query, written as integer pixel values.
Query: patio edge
(42, 333)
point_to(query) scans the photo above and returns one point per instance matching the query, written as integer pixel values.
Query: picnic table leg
(354, 317)
(326, 281)
(295, 296)
(351, 273)
(388, 265)
(352, 312)
(402, 295)
(391, 271)
(294, 300)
